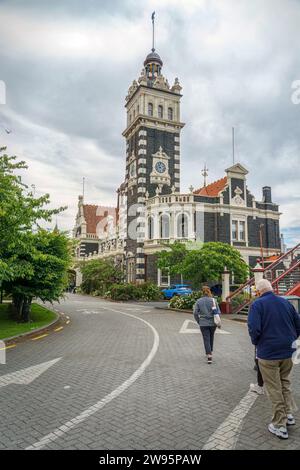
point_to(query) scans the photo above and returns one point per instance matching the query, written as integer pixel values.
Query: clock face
(160, 167)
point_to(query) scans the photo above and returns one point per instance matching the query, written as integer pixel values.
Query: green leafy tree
(21, 214)
(206, 264)
(99, 274)
(172, 258)
(47, 260)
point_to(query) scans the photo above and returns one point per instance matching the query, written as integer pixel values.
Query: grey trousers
(208, 333)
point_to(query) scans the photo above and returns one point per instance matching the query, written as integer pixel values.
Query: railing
(269, 273)
(276, 282)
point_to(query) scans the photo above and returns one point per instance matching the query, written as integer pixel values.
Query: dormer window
(160, 111)
(170, 114)
(150, 109)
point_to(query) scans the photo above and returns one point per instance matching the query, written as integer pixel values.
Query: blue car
(176, 289)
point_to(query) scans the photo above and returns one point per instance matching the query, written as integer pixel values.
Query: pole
(233, 157)
(261, 245)
(153, 15)
(83, 183)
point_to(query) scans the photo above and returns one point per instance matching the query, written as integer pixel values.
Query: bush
(146, 291)
(187, 302)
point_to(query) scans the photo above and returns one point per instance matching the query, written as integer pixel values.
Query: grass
(40, 316)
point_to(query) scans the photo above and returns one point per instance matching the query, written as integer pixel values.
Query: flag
(152, 16)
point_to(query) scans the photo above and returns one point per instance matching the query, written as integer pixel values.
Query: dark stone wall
(237, 182)
(151, 268)
(89, 247)
(270, 232)
(166, 140)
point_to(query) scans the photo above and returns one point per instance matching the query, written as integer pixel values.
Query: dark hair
(206, 291)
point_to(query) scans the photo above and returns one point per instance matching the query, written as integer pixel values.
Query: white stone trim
(141, 190)
(140, 271)
(176, 166)
(141, 180)
(176, 148)
(140, 250)
(142, 161)
(142, 142)
(141, 199)
(140, 260)
(142, 152)
(176, 139)
(142, 171)
(142, 133)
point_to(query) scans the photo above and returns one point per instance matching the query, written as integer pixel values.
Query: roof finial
(205, 173)
(153, 17)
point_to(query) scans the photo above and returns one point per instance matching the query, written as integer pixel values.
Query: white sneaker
(279, 432)
(257, 389)
(290, 420)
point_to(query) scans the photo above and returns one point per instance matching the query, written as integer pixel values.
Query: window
(160, 111)
(234, 229)
(182, 226)
(164, 226)
(242, 231)
(170, 114)
(150, 228)
(164, 277)
(150, 109)
(238, 230)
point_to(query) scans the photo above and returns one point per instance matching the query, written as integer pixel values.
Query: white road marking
(85, 311)
(227, 434)
(185, 329)
(28, 375)
(108, 398)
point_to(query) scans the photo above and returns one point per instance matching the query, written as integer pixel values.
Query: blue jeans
(208, 333)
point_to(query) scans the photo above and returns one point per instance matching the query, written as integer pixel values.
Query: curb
(33, 332)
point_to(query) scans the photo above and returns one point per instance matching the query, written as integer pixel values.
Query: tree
(20, 233)
(206, 264)
(99, 274)
(48, 258)
(172, 258)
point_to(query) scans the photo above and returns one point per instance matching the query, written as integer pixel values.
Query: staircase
(284, 275)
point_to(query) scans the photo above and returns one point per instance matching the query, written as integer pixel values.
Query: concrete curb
(42, 329)
(235, 318)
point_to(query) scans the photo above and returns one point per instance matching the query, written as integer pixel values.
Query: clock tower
(152, 152)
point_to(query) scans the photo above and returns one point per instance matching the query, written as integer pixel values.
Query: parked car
(176, 289)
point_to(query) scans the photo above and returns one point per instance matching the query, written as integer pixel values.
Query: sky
(67, 66)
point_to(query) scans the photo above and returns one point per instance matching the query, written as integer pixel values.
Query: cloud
(67, 66)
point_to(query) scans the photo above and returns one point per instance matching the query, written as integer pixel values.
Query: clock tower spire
(152, 151)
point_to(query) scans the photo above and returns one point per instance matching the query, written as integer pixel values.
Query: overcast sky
(67, 65)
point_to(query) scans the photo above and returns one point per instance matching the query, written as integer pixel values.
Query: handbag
(217, 319)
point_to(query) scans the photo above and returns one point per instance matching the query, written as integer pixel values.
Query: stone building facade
(151, 211)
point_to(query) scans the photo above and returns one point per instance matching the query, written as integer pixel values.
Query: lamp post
(261, 245)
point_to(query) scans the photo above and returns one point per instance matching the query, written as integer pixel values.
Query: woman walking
(206, 310)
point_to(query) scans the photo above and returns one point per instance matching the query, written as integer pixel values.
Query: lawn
(40, 316)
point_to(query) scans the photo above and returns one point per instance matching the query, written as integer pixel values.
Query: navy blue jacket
(273, 325)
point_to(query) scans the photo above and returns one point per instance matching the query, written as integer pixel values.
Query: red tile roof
(94, 214)
(213, 189)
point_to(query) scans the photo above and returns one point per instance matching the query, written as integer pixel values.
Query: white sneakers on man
(279, 432)
(290, 420)
(257, 389)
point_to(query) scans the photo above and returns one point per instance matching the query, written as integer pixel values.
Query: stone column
(225, 284)
(258, 272)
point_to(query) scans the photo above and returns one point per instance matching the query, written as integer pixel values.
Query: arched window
(150, 228)
(160, 111)
(164, 226)
(150, 109)
(182, 226)
(170, 114)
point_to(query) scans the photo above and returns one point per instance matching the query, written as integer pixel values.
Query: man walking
(274, 325)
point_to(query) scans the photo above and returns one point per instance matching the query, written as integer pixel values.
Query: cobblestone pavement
(115, 387)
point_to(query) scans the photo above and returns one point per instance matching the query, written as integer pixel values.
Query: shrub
(187, 302)
(146, 291)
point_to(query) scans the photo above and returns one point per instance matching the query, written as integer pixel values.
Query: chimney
(267, 194)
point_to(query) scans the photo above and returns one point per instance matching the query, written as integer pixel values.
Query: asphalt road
(129, 376)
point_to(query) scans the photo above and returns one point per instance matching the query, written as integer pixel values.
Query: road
(129, 376)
